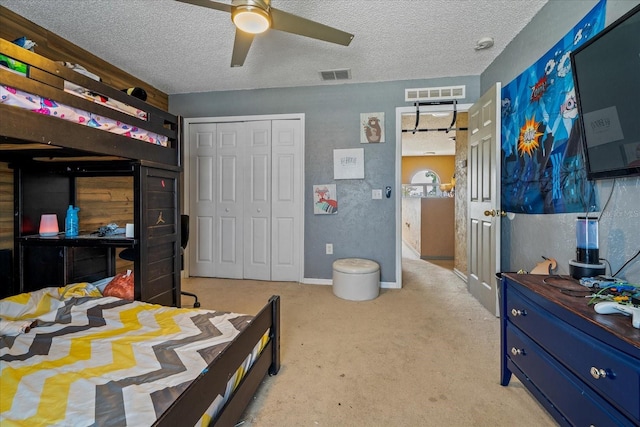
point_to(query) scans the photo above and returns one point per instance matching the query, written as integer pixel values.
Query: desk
(60, 260)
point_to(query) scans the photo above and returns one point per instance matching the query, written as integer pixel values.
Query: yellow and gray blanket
(103, 361)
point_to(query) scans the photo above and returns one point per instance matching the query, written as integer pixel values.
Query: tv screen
(606, 72)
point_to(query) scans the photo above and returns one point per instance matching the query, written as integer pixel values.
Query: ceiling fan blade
(241, 47)
(210, 4)
(290, 23)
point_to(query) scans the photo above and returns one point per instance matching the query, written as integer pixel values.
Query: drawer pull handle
(517, 351)
(516, 313)
(598, 373)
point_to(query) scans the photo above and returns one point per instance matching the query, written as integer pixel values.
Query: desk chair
(184, 239)
(128, 253)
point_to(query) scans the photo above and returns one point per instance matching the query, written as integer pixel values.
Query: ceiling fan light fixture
(251, 19)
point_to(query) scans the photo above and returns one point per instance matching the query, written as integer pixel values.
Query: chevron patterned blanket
(83, 360)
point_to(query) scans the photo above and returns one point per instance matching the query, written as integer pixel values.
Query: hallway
(408, 253)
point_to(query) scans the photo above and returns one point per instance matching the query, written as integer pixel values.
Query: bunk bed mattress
(38, 104)
(107, 361)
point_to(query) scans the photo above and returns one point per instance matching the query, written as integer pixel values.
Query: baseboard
(312, 281)
(411, 249)
(460, 274)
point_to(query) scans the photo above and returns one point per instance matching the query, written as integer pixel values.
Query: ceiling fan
(253, 17)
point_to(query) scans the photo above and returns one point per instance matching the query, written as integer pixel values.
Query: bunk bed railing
(46, 78)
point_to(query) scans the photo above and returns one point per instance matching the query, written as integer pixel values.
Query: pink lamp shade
(49, 225)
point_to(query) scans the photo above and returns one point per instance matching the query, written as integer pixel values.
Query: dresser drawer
(580, 405)
(580, 353)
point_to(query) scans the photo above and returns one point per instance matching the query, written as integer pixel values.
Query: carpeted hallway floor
(424, 355)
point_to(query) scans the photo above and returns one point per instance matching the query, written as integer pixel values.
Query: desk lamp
(49, 225)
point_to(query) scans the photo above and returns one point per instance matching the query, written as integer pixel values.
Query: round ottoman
(356, 279)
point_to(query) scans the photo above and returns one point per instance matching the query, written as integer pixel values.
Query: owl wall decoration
(372, 130)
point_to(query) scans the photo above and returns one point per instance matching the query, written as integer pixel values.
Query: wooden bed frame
(31, 141)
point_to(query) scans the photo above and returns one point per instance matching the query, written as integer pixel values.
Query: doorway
(244, 179)
(435, 143)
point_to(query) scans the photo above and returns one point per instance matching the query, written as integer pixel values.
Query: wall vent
(435, 93)
(329, 75)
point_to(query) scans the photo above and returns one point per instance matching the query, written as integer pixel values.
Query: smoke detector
(484, 43)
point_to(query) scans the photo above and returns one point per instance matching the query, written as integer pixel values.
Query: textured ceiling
(181, 48)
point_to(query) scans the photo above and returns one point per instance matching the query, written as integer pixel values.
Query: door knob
(494, 212)
(259, 210)
(226, 210)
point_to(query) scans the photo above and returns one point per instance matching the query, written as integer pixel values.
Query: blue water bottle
(71, 222)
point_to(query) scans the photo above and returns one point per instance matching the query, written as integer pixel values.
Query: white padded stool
(356, 279)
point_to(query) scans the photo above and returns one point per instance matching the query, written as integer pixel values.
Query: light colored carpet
(424, 355)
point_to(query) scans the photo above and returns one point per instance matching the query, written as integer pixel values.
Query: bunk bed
(47, 155)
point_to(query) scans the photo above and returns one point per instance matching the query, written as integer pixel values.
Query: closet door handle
(259, 210)
(226, 210)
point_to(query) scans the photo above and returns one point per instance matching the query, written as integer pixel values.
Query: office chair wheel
(196, 303)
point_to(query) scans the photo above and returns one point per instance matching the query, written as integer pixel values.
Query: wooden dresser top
(569, 294)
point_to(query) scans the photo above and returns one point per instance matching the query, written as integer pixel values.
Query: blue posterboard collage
(543, 166)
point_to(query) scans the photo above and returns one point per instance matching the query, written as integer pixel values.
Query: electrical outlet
(329, 248)
(376, 194)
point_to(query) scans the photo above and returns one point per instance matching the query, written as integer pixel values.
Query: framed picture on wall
(325, 200)
(348, 163)
(372, 128)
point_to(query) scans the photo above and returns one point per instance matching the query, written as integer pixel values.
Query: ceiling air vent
(328, 75)
(435, 93)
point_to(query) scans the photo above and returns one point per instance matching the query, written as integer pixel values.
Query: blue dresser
(583, 367)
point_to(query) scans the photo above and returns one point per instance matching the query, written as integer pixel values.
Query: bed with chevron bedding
(72, 357)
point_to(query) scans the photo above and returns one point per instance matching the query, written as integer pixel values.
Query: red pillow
(121, 286)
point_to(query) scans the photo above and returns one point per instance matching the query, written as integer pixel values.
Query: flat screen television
(606, 73)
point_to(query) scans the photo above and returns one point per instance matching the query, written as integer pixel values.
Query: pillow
(121, 286)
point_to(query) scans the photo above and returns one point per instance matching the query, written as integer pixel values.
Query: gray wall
(528, 237)
(363, 227)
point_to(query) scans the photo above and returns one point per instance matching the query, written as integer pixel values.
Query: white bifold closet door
(245, 197)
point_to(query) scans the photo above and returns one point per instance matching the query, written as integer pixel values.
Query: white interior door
(257, 201)
(287, 194)
(483, 196)
(202, 172)
(229, 214)
(246, 199)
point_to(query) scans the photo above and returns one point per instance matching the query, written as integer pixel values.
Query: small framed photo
(348, 163)
(372, 128)
(325, 200)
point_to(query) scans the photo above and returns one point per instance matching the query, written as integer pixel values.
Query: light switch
(376, 194)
